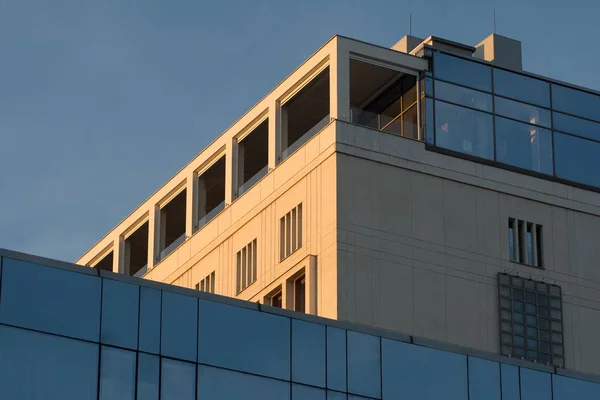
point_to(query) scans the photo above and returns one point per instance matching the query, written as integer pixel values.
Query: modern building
(433, 189)
(69, 332)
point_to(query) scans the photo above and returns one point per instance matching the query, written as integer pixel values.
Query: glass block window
(531, 326)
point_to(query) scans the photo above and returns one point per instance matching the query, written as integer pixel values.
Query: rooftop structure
(434, 189)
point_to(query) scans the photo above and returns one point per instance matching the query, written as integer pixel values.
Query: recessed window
(207, 284)
(531, 325)
(246, 260)
(277, 300)
(106, 263)
(136, 252)
(290, 232)
(211, 192)
(253, 157)
(300, 294)
(525, 242)
(172, 225)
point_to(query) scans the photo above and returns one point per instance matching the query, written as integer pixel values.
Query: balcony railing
(210, 215)
(250, 182)
(396, 125)
(171, 247)
(304, 138)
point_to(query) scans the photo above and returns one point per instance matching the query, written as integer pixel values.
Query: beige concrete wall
(422, 237)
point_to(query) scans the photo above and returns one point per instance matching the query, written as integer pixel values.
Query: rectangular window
(531, 320)
(290, 232)
(525, 242)
(277, 300)
(246, 266)
(300, 294)
(207, 284)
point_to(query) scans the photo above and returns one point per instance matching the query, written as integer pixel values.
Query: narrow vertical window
(300, 294)
(511, 239)
(525, 242)
(521, 236)
(246, 268)
(539, 241)
(290, 232)
(277, 300)
(529, 243)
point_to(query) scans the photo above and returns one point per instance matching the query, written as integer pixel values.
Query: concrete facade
(395, 234)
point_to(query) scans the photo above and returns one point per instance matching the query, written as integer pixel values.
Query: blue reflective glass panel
(523, 145)
(50, 299)
(222, 384)
(510, 382)
(429, 127)
(463, 96)
(412, 372)
(117, 374)
(364, 365)
(120, 303)
(150, 300)
(28, 366)
(336, 359)
(148, 376)
(461, 71)
(576, 102)
(178, 380)
(577, 159)
(484, 379)
(522, 112)
(244, 340)
(301, 392)
(308, 353)
(535, 385)
(576, 126)
(569, 388)
(520, 87)
(179, 338)
(331, 395)
(464, 130)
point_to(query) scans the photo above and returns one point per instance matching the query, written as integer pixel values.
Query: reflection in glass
(415, 372)
(216, 383)
(510, 382)
(364, 377)
(148, 376)
(178, 380)
(576, 102)
(484, 379)
(75, 313)
(568, 388)
(149, 334)
(522, 112)
(524, 146)
(521, 87)
(179, 337)
(220, 345)
(577, 159)
(120, 314)
(117, 374)
(463, 72)
(336, 359)
(535, 385)
(428, 124)
(464, 130)
(308, 353)
(28, 366)
(301, 392)
(463, 96)
(577, 126)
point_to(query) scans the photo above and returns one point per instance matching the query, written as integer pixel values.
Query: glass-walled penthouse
(69, 332)
(513, 119)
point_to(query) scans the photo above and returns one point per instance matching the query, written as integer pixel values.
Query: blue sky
(102, 101)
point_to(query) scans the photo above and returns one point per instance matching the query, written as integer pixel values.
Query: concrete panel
(560, 240)
(396, 297)
(427, 200)
(364, 293)
(430, 305)
(589, 329)
(394, 200)
(460, 216)
(587, 234)
(488, 223)
(463, 312)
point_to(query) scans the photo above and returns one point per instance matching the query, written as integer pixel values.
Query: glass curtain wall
(511, 118)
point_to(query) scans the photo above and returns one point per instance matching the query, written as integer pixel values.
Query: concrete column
(339, 81)
(118, 253)
(287, 295)
(229, 168)
(153, 235)
(238, 167)
(274, 128)
(311, 286)
(190, 202)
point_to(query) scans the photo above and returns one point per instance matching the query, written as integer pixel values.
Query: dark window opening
(172, 224)
(383, 99)
(246, 266)
(207, 284)
(525, 242)
(136, 252)
(277, 300)
(300, 294)
(253, 157)
(305, 114)
(211, 192)
(106, 263)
